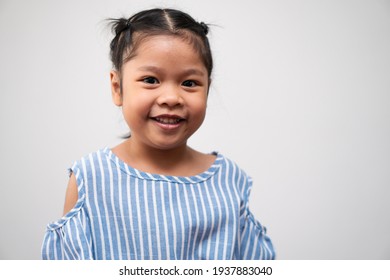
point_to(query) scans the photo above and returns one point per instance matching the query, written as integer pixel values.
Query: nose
(170, 96)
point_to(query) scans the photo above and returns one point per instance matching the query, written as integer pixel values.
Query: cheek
(199, 108)
(133, 115)
(202, 102)
(136, 105)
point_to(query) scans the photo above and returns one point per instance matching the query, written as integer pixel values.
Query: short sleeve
(69, 237)
(254, 242)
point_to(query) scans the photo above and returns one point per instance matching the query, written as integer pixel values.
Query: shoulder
(233, 174)
(230, 166)
(237, 176)
(80, 169)
(92, 160)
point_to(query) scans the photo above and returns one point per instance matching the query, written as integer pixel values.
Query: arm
(69, 237)
(71, 195)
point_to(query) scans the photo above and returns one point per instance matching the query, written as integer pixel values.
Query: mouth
(168, 119)
(168, 122)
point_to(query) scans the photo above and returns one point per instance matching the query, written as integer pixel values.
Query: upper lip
(168, 116)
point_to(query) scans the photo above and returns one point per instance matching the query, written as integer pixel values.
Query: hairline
(139, 37)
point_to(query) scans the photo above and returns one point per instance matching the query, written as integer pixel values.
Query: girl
(152, 196)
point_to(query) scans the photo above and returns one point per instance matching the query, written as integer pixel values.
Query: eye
(189, 83)
(150, 80)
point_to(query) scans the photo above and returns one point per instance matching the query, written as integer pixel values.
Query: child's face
(164, 92)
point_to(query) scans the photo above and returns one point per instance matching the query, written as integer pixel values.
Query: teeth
(168, 120)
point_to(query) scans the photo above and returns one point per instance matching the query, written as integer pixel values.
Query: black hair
(130, 32)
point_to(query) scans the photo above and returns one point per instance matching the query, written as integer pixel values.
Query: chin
(164, 146)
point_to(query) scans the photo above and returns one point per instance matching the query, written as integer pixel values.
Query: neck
(154, 160)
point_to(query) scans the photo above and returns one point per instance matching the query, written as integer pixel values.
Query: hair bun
(204, 27)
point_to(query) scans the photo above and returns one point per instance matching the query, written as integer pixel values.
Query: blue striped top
(124, 213)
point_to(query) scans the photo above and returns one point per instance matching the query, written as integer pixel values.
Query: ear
(116, 87)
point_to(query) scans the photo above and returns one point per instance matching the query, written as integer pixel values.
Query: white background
(300, 100)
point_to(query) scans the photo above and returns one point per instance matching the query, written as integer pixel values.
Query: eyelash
(147, 80)
(153, 80)
(194, 84)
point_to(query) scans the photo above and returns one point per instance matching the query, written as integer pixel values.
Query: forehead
(165, 48)
(161, 42)
(141, 41)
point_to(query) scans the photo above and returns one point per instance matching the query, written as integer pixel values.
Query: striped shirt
(124, 213)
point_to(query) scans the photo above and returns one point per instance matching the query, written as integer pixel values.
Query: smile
(168, 122)
(165, 120)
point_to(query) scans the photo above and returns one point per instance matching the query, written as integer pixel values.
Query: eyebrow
(190, 71)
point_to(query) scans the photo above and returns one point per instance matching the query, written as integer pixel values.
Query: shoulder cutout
(71, 196)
